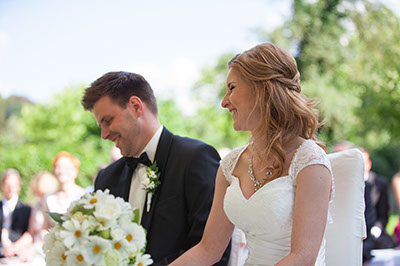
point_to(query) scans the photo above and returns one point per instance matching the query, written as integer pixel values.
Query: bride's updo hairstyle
(272, 76)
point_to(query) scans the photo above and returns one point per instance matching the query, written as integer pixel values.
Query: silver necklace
(257, 184)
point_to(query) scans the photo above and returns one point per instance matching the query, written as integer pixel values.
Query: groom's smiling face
(119, 125)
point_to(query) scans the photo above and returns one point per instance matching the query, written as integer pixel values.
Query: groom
(175, 215)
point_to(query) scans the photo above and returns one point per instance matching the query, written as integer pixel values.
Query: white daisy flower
(56, 255)
(75, 257)
(95, 249)
(51, 237)
(122, 247)
(101, 224)
(90, 201)
(75, 233)
(143, 260)
(135, 236)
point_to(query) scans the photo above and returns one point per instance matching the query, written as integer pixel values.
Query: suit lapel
(161, 157)
(125, 183)
(374, 188)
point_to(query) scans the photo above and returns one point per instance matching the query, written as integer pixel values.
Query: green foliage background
(348, 57)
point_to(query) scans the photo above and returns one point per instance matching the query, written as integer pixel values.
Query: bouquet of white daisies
(97, 229)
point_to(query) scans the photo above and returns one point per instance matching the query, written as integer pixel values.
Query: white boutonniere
(151, 181)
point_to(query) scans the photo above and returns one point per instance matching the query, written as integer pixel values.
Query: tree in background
(348, 56)
(41, 131)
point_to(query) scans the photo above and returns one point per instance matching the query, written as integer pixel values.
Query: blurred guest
(396, 190)
(66, 168)
(44, 183)
(90, 188)
(115, 155)
(342, 145)
(380, 202)
(14, 216)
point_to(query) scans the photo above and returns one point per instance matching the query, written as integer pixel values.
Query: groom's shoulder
(187, 144)
(113, 168)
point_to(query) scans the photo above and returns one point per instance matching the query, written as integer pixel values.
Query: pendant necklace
(257, 184)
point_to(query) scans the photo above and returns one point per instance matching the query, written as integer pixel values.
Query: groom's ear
(135, 106)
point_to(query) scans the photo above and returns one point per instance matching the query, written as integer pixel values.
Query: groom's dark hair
(120, 87)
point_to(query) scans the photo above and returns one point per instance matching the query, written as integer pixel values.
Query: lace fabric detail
(309, 153)
(229, 162)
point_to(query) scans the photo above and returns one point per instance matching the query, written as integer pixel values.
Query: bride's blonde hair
(272, 75)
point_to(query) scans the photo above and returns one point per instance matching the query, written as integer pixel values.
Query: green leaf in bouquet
(83, 210)
(136, 216)
(105, 234)
(56, 217)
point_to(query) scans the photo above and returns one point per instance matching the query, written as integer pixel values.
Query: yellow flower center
(129, 238)
(63, 256)
(96, 249)
(102, 223)
(79, 257)
(93, 200)
(78, 233)
(117, 245)
(140, 264)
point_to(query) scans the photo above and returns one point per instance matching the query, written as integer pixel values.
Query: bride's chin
(236, 127)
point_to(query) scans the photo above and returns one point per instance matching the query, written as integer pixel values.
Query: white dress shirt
(8, 208)
(137, 194)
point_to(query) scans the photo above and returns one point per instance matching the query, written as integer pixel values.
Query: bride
(277, 189)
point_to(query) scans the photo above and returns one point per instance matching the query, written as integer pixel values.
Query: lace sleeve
(228, 163)
(309, 153)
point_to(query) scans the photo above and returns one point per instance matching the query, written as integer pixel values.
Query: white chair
(344, 236)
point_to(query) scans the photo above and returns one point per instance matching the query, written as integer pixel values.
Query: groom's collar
(151, 147)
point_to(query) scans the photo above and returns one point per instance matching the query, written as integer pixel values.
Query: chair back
(344, 236)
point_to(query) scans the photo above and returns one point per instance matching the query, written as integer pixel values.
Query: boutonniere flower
(151, 181)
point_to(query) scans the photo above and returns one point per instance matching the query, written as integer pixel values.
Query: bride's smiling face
(240, 101)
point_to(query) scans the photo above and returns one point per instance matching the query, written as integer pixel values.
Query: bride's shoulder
(229, 161)
(234, 154)
(308, 153)
(309, 149)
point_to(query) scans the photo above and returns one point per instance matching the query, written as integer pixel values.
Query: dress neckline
(266, 184)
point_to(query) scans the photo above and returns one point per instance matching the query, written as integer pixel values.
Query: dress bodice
(266, 217)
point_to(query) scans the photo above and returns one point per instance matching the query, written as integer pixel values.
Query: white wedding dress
(266, 217)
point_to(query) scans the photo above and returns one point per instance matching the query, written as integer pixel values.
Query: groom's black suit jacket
(181, 204)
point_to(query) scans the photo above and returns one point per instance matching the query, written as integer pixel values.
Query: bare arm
(396, 188)
(310, 215)
(217, 232)
(17, 247)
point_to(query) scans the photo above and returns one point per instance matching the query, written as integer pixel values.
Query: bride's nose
(225, 101)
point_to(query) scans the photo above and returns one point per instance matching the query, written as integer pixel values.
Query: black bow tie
(132, 162)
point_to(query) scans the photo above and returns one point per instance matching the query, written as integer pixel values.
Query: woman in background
(66, 168)
(43, 184)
